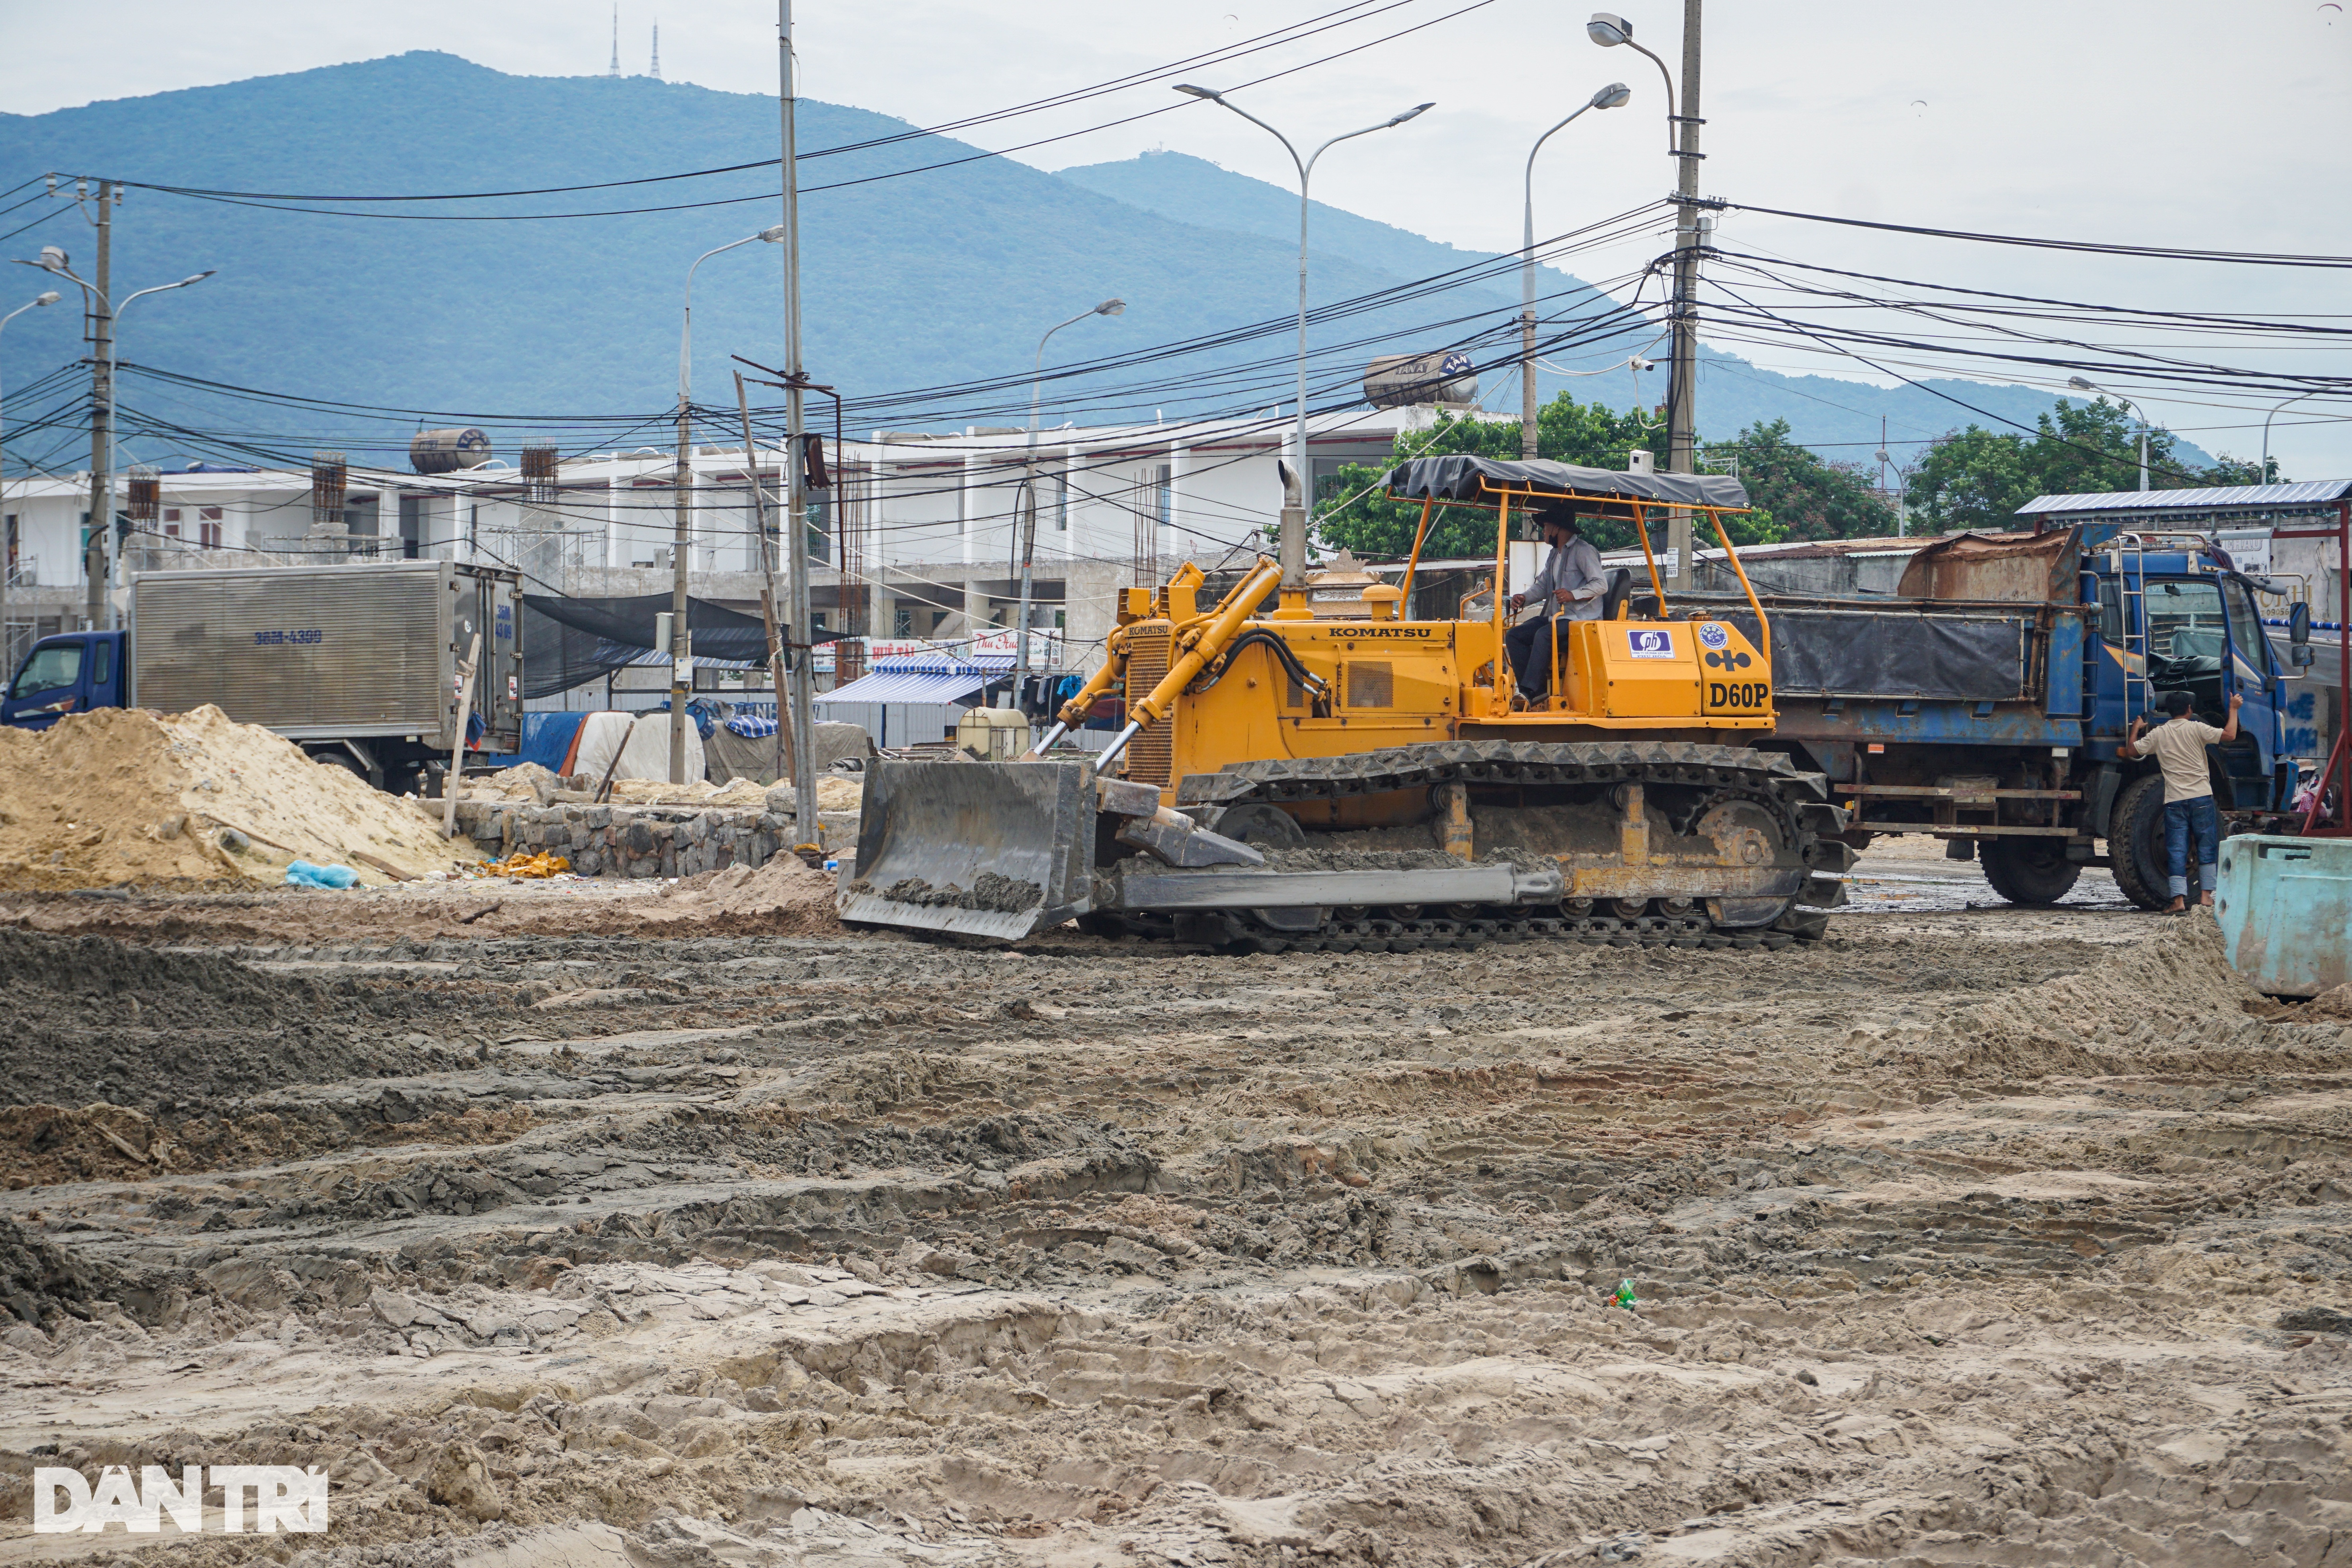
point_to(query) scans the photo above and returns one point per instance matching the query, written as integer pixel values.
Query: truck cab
(2177, 621)
(71, 673)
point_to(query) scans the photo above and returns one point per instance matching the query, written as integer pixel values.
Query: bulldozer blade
(988, 849)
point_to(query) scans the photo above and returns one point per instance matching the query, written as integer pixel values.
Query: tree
(1977, 479)
(1355, 515)
(1806, 495)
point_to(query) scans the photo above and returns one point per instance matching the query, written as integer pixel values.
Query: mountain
(567, 327)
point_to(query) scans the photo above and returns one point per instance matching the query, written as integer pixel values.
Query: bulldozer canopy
(1461, 476)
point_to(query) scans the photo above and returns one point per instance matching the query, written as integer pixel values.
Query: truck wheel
(2029, 870)
(2136, 842)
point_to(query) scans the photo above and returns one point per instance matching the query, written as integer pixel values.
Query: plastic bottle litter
(1625, 1297)
(302, 874)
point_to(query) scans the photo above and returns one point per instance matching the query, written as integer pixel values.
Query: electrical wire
(833, 186)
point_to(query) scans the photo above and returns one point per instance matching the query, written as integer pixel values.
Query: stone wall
(629, 840)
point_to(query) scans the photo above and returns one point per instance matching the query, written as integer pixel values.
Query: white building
(916, 540)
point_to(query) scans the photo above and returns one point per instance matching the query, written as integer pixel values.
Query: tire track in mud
(1947, 1246)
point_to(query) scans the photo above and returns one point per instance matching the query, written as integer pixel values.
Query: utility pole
(682, 551)
(1682, 435)
(794, 534)
(96, 555)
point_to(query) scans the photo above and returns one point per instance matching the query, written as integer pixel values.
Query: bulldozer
(1297, 779)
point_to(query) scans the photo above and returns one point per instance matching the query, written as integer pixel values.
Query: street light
(681, 543)
(1028, 524)
(53, 260)
(1608, 30)
(1614, 96)
(2077, 383)
(7, 565)
(1296, 500)
(2274, 414)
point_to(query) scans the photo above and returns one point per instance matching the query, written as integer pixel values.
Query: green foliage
(1977, 479)
(1805, 496)
(1354, 514)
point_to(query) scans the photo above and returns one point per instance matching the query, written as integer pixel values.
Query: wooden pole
(767, 575)
(787, 769)
(457, 750)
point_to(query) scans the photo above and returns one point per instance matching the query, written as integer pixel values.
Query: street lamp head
(48, 297)
(1614, 96)
(773, 234)
(1189, 91)
(53, 260)
(1608, 29)
(197, 278)
(1409, 113)
(1111, 308)
(2077, 384)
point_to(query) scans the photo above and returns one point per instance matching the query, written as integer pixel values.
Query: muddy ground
(1970, 1235)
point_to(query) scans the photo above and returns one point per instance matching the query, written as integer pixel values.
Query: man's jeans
(1532, 654)
(2182, 818)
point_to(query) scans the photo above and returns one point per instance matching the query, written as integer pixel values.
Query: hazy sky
(2166, 122)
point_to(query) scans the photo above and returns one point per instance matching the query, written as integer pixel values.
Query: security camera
(1638, 363)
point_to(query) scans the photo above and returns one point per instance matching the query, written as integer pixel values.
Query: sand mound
(123, 794)
(785, 896)
(2170, 1002)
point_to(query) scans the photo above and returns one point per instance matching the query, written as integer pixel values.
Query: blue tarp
(546, 739)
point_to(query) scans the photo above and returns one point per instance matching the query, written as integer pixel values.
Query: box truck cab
(356, 664)
(72, 673)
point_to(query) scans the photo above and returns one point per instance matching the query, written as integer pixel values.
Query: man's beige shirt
(2178, 747)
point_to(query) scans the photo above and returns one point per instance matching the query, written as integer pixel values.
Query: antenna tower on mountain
(616, 41)
(656, 72)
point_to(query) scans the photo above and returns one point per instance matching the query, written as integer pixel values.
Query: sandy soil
(1970, 1235)
(122, 795)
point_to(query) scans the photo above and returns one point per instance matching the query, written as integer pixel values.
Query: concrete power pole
(682, 551)
(1682, 435)
(102, 435)
(794, 533)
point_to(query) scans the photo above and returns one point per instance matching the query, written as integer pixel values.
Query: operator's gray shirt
(1575, 566)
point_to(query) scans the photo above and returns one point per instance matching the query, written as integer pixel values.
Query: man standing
(2178, 747)
(1568, 587)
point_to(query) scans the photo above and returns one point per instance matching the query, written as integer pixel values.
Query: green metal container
(2285, 910)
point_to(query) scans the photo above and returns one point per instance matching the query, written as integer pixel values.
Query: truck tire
(2029, 870)
(2136, 842)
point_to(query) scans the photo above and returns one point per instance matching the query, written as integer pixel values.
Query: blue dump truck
(1986, 703)
(356, 664)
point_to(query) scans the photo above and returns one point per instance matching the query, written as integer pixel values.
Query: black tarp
(1896, 654)
(1462, 476)
(568, 642)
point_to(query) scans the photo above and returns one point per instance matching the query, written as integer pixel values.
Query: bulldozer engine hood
(1463, 478)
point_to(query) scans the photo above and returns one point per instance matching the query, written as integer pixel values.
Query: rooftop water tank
(446, 452)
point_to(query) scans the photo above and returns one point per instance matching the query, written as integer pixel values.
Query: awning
(908, 686)
(1459, 476)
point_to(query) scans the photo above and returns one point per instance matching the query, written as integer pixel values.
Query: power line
(275, 206)
(2098, 248)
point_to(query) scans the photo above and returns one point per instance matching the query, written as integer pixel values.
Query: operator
(2178, 747)
(1569, 586)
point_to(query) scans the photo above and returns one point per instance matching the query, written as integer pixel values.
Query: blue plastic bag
(302, 874)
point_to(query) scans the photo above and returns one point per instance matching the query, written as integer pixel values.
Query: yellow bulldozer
(1290, 780)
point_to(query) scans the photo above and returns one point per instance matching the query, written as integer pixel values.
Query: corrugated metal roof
(907, 685)
(653, 655)
(2217, 497)
(989, 664)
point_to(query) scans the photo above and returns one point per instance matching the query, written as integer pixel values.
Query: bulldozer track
(1798, 800)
